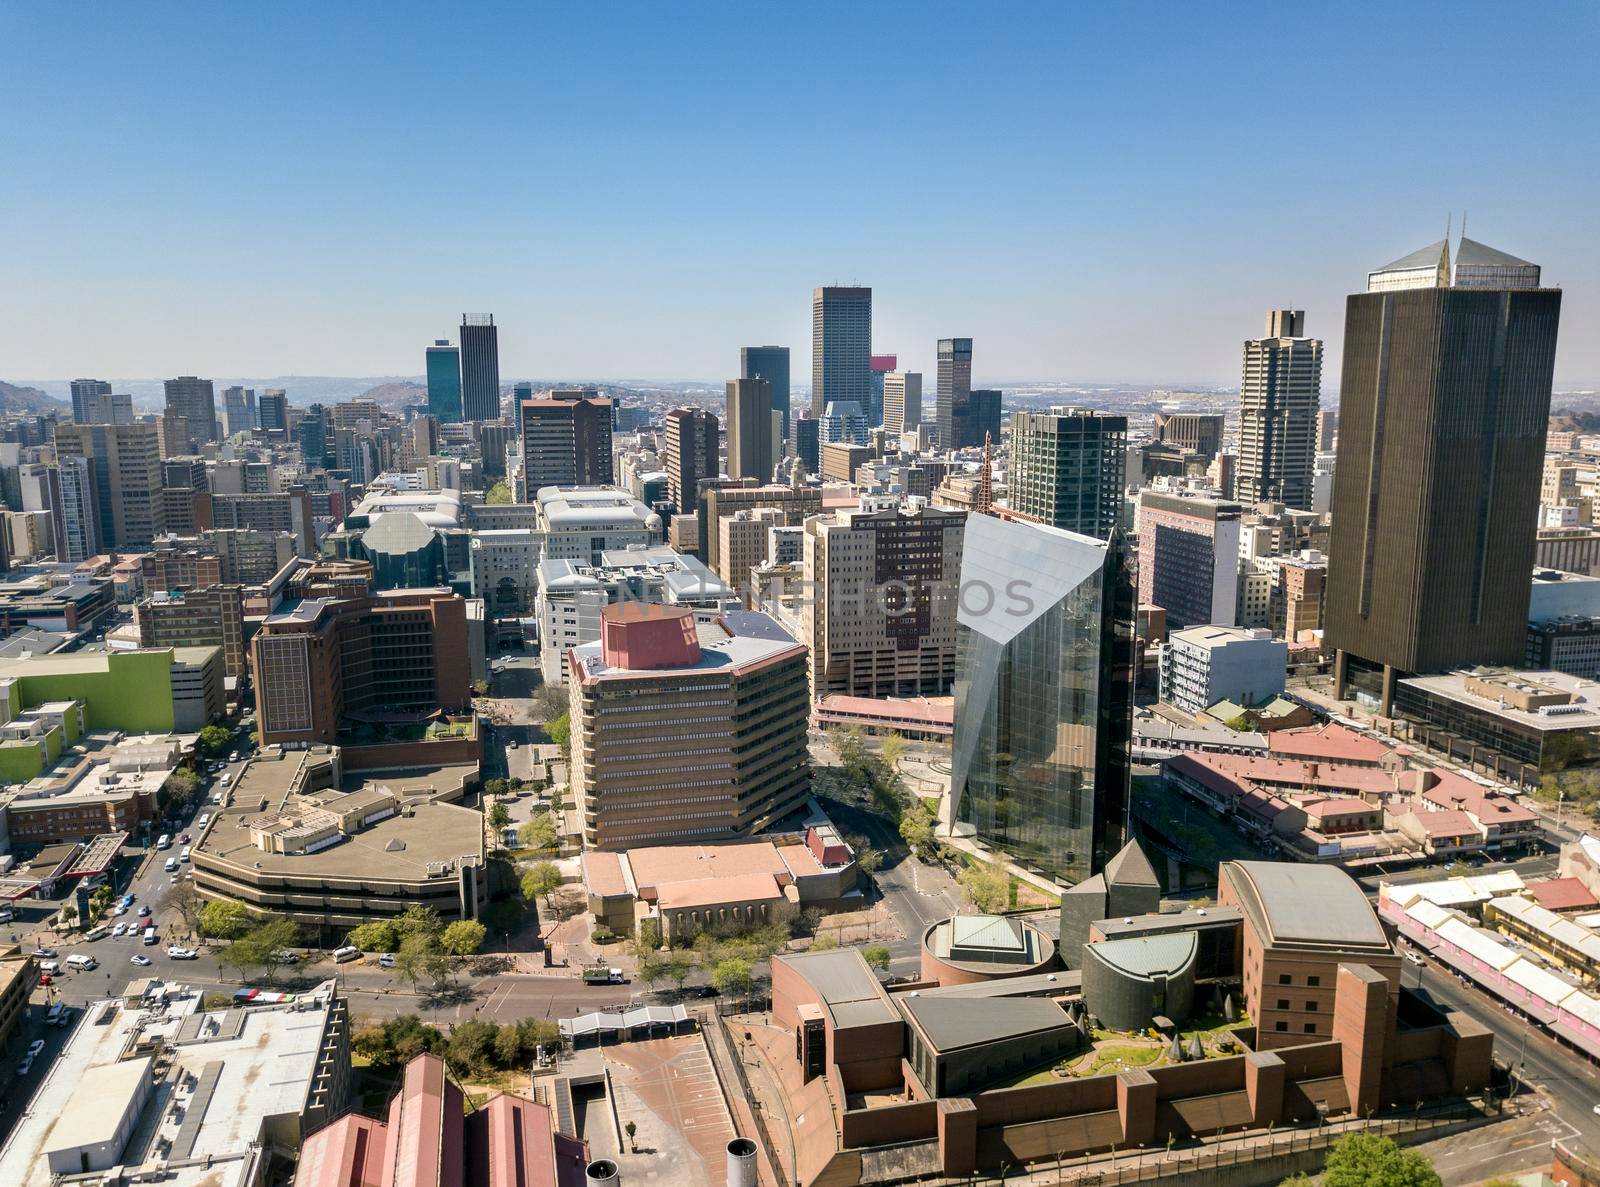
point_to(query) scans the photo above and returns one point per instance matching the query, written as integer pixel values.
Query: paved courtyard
(668, 1089)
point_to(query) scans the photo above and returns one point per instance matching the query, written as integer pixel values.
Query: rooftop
(1295, 903)
(954, 1021)
(1581, 711)
(846, 985)
(1148, 956)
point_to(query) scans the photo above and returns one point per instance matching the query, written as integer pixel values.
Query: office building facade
(480, 367)
(750, 429)
(1444, 403)
(690, 453)
(902, 401)
(86, 397)
(772, 364)
(1067, 469)
(1189, 557)
(841, 347)
(566, 443)
(1044, 695)
(954, 391)
(195, 400)
(125, 462)
(1280, 396)
(444, 383)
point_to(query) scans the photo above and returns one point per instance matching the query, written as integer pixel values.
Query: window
(1311, 1028)
(1285, 979)
(1311, 1007)
(1313, 981)
(1280, 1025)
(1283, 1003)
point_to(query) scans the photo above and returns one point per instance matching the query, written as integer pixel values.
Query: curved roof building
(1127, 983)
(965, 949)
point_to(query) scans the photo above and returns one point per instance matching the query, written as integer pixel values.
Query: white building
(581, 523)
(502, 567)
(1206, 664)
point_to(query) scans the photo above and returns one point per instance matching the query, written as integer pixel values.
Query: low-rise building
(162, 691)
(206, 616)
(1206, 664)
(582, 523)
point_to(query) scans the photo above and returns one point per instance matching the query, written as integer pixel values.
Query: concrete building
(503, 569)
(480, 367)
(1570, 549)
(1067, 469)
(1044, 695)
(1127, 886)
(1441, 454)
(1196, 432)
(208, 616)
(902, 401)
(677, 740)
(321, 664)
(1206, 664)
(583, 523)
(1279, 398)
(884, 581)
(1189, 557)
(750, 453)
(289, 511)
(88, 401)
(171, 690)
(690, 454)
(332, 851)
(715, 501)
(156, 1085)
(839, 460)
(743, 543)
(74, 508)
(953, 393)
(841, 347)
(195, 401)
(968, 949)
(125, 462)
(566, 443)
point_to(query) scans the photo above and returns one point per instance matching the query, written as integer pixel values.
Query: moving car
(141, 961)
(43, 953)
(283, 956)
(179, 953)
(35, 1047)
(82, 962)
(348, 953)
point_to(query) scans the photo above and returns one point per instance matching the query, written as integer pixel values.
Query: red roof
(1331, 742)
(1562, 894)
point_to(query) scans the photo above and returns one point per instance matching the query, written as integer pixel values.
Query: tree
(419, 920)
(215, 740)
(542, 879)
(538, 1032)
(877, 956)
(678, 969)
(560, 730)
(480, 688)
(646, 938)
(498, 493)
(631, 1129)
(381, 935)
(417, 957)
(245, 955)
(463, 937)
(68, 914)
(276, 934)
(916, 829)
(471, 1046)
(731, 976)
(824, 943)
(183, 785)
(551, 701)
(988, 886)
(538, 833)
(850, 744)
(185, 900)
(508, 1046)
(495, 788)
(499, 818)
(891, 749)
(1367, 1160)
(372, 1044)
(224, 919)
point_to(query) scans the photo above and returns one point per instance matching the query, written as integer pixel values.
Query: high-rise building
(209, 617)
(954, 390)
(902, 401)
(238, 409)
(1189, 557)
(85, 392)
(275, 413)
(196, 401)
(690, 454)
(127, 474)
(677, 740)
(750, 429)
(493, 440)
(316, 436)
(480, 367)
(881, 617)
(1044, 695)
(1279, 397)
(881, 365)
(1444, 401)
(1198, 432)
(444, 383)
(566, 443)
(772, 364)
(74, 509)
(1067, 468)
(982, 420)
(841, 347)
(806, 432)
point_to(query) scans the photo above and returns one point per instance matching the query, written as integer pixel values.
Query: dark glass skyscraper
(86, 394)
(444, 382)
(1044, 695)
(1443, 405)
(841, 347)
(480, 367)
(772, 364)
(954, 392)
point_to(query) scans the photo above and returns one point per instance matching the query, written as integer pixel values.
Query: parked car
(44, 953)
(119, 931)
(177, 953)
(25, 1065)
(387, 960)
(141, 961)
(144, 911)
(35, 1047)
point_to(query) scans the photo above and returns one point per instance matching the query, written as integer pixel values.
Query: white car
(119, 931)
(178, 953)
(141, 961)
(34, 1048)
(120, 910)
(24, 1066)
(387, 960)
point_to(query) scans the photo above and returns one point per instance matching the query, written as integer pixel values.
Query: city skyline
(1102, 196)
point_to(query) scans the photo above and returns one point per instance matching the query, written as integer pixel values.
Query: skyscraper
(238, 409)
(566, 443)
(1044, 695)
(691, 454)
(772, 364)
(954, 391)
(196, 401)
(127, 473)
(806, 435)
(275, 412)
(881, 365)
(480, 367)
(982, 421)
(1278, 400)
(750, 429)
(902, 401)
(84, 393)
(1443, 404)
(74, 509)
(444, 382)
(841, 347)
(1067, 469)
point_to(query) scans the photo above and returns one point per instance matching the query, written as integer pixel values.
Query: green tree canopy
(498, 493)
(538, 833)
(463, 937)
(560, 730)
(1368, 1160)
(877, 956)
(731, 976)
(215, 740)
(381, 935)
(224, 919)
(542, 879)
(182, 787)
(499, 817)
(988, 886)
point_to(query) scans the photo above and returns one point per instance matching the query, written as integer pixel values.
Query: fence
(760, 1114)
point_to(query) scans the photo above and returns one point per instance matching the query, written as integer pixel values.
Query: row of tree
(471, 1047)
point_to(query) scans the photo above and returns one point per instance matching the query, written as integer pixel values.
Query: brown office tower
(566, 443)
(682, 734)
(324, 663)
(750, 429)
(691, 454)
(1443, 403)
(126, 467)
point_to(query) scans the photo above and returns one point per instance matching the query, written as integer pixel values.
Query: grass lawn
(1106, 1059)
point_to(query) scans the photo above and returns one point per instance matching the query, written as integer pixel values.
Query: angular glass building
(1044, 695)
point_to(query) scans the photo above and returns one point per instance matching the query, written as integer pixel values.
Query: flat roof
(954, 1021)
(846, 985)
(1582, 713)
(102, 1100)
(1310, 904)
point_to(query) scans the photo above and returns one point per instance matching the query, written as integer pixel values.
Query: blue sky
(1109, 192)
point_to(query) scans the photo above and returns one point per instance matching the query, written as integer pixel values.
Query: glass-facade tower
(1044, 695)
(444, 382)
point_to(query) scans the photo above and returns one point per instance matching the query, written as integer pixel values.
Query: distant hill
(396, 394)
(28, 399)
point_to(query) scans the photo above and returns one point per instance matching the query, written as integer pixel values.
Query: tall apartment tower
(902, 401)
(480, 367)
(126, 465)
(239, 409)
(955, 389)
(74, 509)
(566, 443)
(750, 429)
(444, 382)
(691, 454)
(196, 401)
(84, 393)
(772, 364)
(1067, 468)
(1444, 398)
(1279, 396)
(274, 410)
(841, 347)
